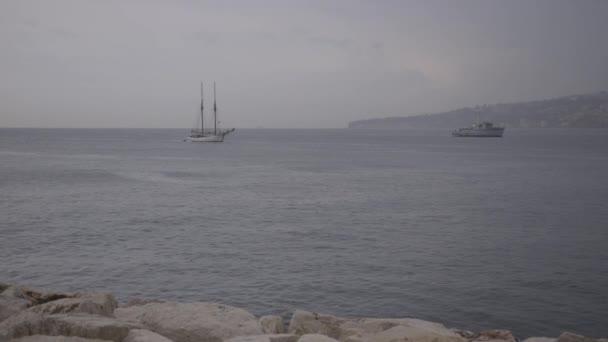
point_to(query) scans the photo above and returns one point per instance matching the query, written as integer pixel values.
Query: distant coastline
(575, 111)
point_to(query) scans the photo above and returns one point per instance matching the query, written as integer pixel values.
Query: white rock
(316, 338)
(95, 304)
(29, 323)
(192, 322)
(43, 338)
(272, 324)
(143, 335)
(265, 338)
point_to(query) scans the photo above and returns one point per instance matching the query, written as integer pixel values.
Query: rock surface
(41, 296)
(494, 335)
(80, 325)
(95, 304)
(377, 325)
(190, 322)
(31, 315)
(305, 322)
(570, 337)
(271, 324)
(43, 338)
(316, 338)
(143, 335)
(540, 339)
(265, 338)
(406, 333)
(10, 306)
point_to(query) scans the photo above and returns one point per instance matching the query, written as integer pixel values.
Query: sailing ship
(208, 135)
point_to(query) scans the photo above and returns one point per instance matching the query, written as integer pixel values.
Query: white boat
(203, 134)
(484, 129)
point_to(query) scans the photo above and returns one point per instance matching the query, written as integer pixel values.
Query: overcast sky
(85, 63)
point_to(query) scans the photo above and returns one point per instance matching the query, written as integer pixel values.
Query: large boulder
(189, 322)
(143, 335)
(43, 338)
(401, 333)
(316, 338)
(367, 326)
(265, 338)
(540, 339)
(13, 292)
(494, 336)
(34, 296)
(95, 304)
(271, 324)
(41, 296)
(305, 322)
(29, 323)
(10, 306)
(570, 337)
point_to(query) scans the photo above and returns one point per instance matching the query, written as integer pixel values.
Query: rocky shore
(33, 315)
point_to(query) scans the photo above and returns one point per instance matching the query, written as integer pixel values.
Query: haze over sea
(507, 233)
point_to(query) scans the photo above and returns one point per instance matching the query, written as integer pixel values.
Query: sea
(474, 233)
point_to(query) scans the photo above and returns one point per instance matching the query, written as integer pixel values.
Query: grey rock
(305, 322)
(43, 338)
(95, 304)
(143, 335)
(10, 306)
(316, 338)
(359, 330)
(570, 337)
(409, 333)
(13, 292)
(271, 324)
(190, 322)
(540, 339)
(367, 326)
(41, 296)
(265, 338)
(494, 335)
(29, 323)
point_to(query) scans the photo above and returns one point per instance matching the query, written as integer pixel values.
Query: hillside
(584, 111)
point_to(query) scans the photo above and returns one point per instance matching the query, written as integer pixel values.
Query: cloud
(288, 63)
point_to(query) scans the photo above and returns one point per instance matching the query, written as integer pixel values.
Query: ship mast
(214, 112)
(202, 107)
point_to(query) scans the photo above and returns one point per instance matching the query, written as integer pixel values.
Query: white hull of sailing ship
(207, 138)
(203, 135)
(197, 136)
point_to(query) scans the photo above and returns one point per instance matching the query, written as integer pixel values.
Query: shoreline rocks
(32, 315)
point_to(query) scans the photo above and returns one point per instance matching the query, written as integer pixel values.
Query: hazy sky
(105, 63)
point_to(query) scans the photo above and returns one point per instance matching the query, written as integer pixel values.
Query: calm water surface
(474, 233)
